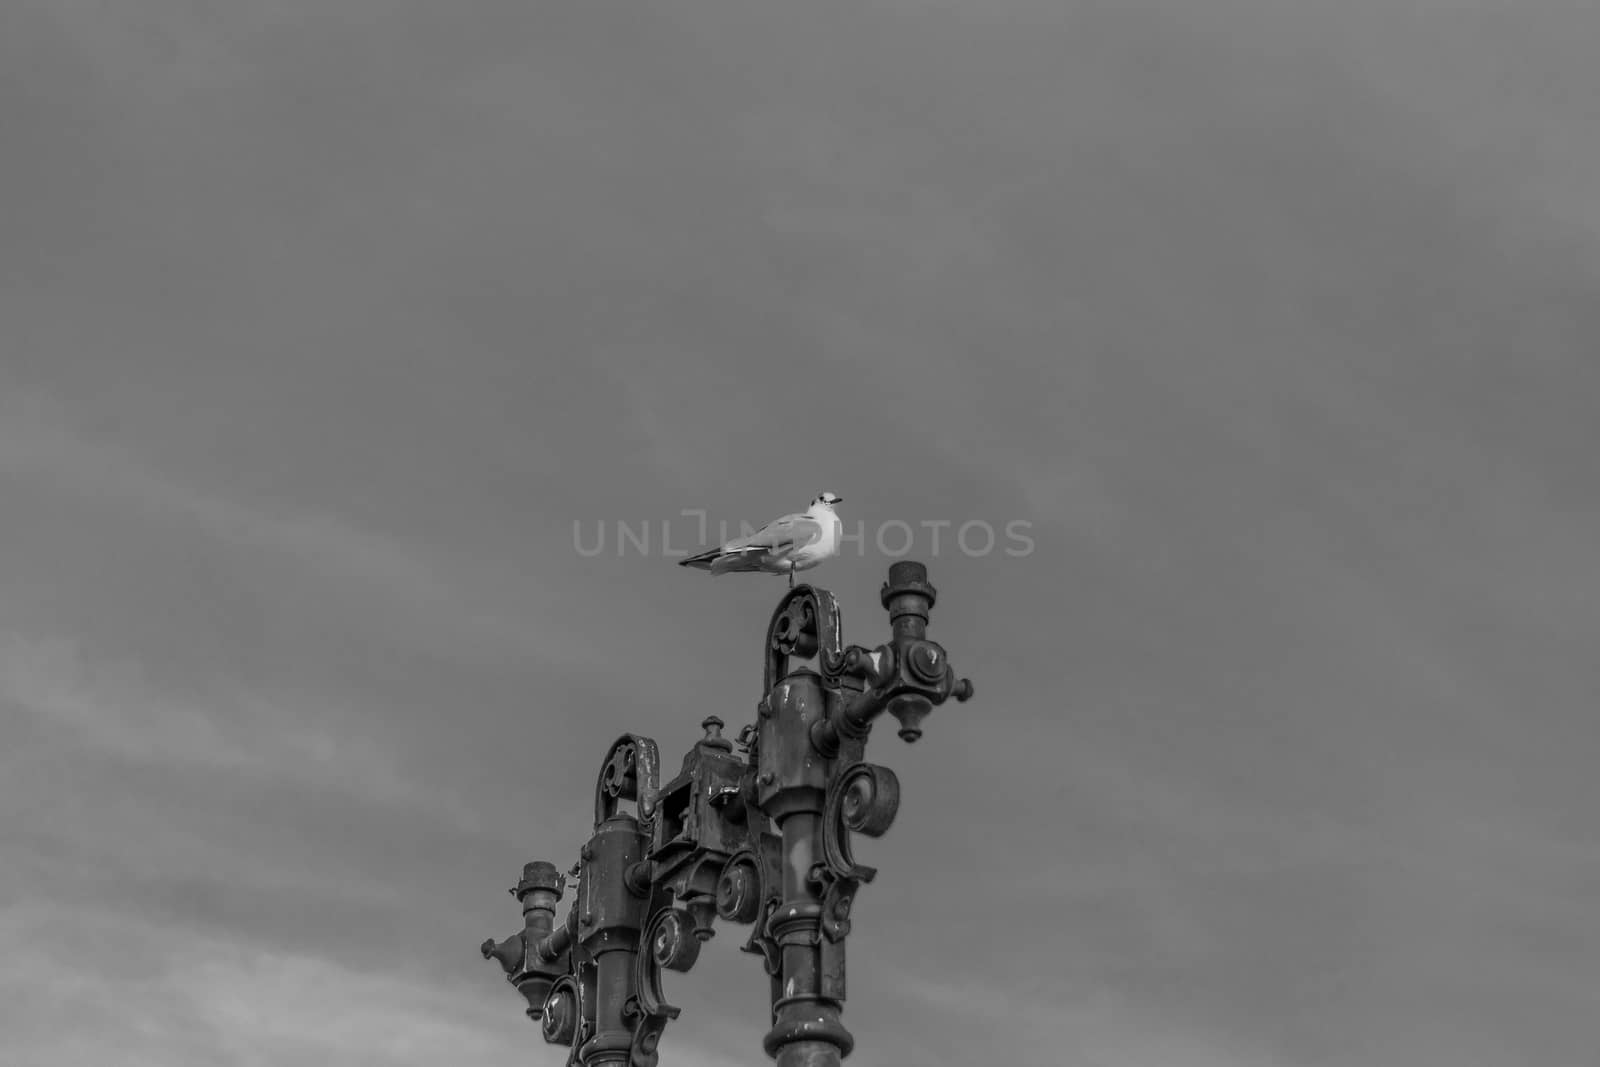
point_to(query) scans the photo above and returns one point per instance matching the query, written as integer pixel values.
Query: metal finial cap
(907, 577)
(906, 571)
(713, 728)
(539, 875)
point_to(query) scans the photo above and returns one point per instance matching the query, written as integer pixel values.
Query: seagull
(793, 543)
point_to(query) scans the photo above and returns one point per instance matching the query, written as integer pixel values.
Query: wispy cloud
(1069, 1023)
(436, 595)
(167, 996)
(112, 706)
(37, 439)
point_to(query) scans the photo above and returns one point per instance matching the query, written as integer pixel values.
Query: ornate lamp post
(760, 835)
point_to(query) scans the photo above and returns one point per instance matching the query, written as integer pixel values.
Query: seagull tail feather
(703, 561)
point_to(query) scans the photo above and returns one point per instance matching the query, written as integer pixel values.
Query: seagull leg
(791, 577)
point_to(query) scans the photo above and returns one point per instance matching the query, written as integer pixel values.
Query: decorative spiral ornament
(864, 799)
(646, 1044)
(647, 1012)
(762, 942)
(673, 942)
(739, 890)
(560, 1015)
(616, 776)
(805, 624)
(870, 799)
(648, 962)
(747, 892)
(631, 771)
(795, 633)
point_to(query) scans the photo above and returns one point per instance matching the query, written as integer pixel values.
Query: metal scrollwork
(863, 799)
(645, 1051)
(838, 895)
(739, 888)
(674, 943)
(805, 624)
(762, 943)
(630, 771)
(647, 1030)
(749, 891)
(670, 941)
(560, 1017)
(661, 939)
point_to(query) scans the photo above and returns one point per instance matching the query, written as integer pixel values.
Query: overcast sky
(323, 322)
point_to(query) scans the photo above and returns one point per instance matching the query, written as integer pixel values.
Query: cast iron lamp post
(758, 836)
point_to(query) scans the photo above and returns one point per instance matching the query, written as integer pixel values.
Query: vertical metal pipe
(613, 986)
(807, 1030)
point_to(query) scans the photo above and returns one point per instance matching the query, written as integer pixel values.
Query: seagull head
(826, 500)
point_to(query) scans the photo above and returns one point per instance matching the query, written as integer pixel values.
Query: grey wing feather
(779, 535)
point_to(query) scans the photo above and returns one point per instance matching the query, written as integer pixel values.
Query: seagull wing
(778, 538)
(773, 544)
